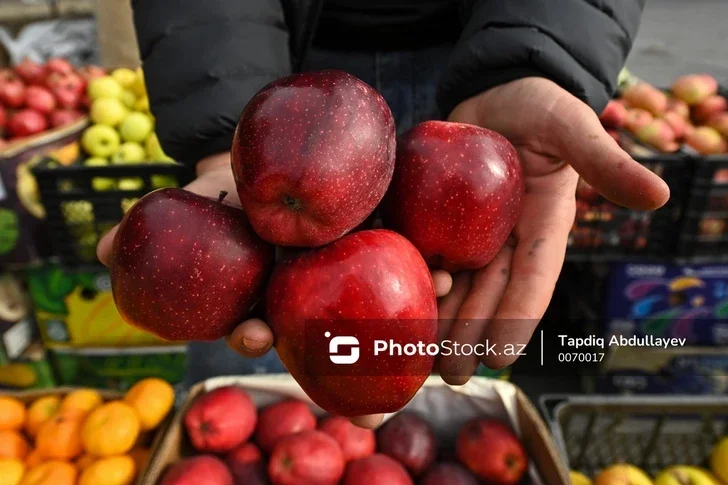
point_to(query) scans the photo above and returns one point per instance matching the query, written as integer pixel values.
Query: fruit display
(673, 475)
(81, 436)
(306, 182)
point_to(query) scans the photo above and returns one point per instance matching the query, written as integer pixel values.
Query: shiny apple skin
(186, 267)
(456, 193)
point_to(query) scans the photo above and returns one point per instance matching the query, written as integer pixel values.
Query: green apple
(685, 475)
(77, 211)
(107, 111)
(131, 183)
(159, 181)
(139, 87)
(136, 127)
(154, 148)
(100, 184)
(142, 104)
(126, 77)
(104, 87)
(100, 141)
(129, 152)
(128, 99)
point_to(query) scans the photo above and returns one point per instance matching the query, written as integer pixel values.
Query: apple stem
(223, 194)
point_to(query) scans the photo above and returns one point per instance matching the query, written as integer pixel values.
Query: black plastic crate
(82, 203)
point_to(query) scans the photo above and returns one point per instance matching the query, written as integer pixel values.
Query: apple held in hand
(456, 193)
(185, 267)
(369, 285)
(312, 156)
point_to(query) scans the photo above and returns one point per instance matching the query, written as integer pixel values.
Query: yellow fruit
(117, 470)
(719, 460)
(111, 429)
(18, 374)
(107, 111)
(11, 471)
(50, 473)
(40, 411)
(139, 87)
(142, 105)
(104, 87)
(85, 400)
(622, 474)
(684, 474)
(152, 399)
(12, 413)
(578, 478)
(129, 99)
(125, 77)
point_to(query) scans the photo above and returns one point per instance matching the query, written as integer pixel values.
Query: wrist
(214, 163)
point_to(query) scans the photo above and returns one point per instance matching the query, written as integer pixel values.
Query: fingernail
(254, 345)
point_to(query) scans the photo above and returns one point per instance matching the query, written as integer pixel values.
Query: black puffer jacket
(204, 59)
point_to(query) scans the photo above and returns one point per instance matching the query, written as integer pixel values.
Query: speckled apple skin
(456, 193)
(373, 277)
(186, 267)
(325, 139)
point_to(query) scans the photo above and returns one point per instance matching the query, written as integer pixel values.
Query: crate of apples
(80, 436)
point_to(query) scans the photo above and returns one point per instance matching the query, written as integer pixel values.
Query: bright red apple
(614, 115)
(282, 419)
(39, 99)
(492, 452)
(57, 64)
(198, 470)
(677, 123)
(26, 122)
(64, 117)
(12, 93)
(369, 286)
(247, 465)
(186, 267)
(376, 468)
(221, 419)
(312, 156)
(30, 71)
(355, 442)
(448, 474)
(309, 457)
(410, 440)
(456, 193)
(638, 118)
(677, 105)
(710, 106)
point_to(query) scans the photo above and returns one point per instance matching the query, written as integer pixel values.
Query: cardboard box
(445, 407)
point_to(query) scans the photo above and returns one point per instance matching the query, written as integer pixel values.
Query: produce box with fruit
(67, 436)
(263, 429)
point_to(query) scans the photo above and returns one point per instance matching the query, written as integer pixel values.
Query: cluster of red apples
(37, 97)
(285, 444)
(313, 156)
(692, 113)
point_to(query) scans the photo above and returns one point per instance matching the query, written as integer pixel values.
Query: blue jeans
(408, 81)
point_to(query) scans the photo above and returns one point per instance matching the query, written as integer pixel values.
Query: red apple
(647, 97)
(659, 135)
(312, 156)
(186, 267)
(637, 118)
(492, 452)
(376, 468)
(198, 470)
(694, 88)
(719, 122)
(355, 442)
(89, 73)
(30, 71)
(309, 457)
(712, 105)
(369, 285)
(6, 75)
(59, 65)
(26, 122)
(12, 93)
(283, 419)
(706, 141)
(247, 465)
(39, 99)
(410, 440)
(456, 193)
(677, 105)
(221, 419)
(448, 474)
(64, 117)
(677, 123)
(3, 118)
(614, 115)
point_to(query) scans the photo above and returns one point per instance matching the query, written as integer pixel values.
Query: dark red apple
(448, 474)
(456, 193)
(64, 117)
(247, 465)
(198, 470)
(221, 419)
(312, 156)
(282, 419)
(492, 452)
(3, 118)
(186, 267)
(355, 442)
(12, 93)
(614, 115)
(369, 286)
(26, 122)
(89, 73)
(30, 71)
(410, 440)
(57, 64)
(39, 99)
(309, 457)
(376, 468)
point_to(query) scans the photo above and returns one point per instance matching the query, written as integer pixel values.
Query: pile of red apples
(233, 443)
(313, 156)
(691, 113)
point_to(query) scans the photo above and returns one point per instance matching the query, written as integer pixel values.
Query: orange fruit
(85, 400)
(34, 458)
(84, 461)
(52, 472)
(111, 429)
(152, 399)
(12, 413)
(40, 411)
(13, 445)
(116, 470)
(60, 436)
(141, 458)
(11, 471)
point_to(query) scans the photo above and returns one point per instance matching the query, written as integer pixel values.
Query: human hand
(558, 138)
